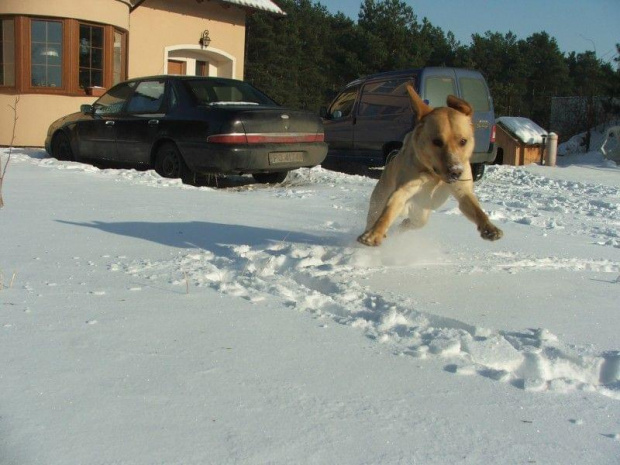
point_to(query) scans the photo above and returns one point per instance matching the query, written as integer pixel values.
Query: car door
(97, 135)
(339, 123)
(139, 126)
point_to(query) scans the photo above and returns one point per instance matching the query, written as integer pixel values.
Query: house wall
(531, 154)
(37, 111)
(113, 12)
(160, 29)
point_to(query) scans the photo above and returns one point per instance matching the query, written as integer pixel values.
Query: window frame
(70, 52)
(15, 57)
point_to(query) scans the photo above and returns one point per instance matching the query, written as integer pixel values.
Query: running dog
(432, 164)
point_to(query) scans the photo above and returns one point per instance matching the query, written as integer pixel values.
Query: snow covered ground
(143, 321)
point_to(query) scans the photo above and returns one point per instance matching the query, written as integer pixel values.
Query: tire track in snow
(325, 281)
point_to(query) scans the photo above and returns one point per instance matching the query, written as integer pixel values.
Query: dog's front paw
(371, 238)
(490, 232)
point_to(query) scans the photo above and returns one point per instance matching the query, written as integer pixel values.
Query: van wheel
(270, 178)
(477, 171)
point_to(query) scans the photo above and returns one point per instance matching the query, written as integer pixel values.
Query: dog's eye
(437, 142)
(463, 142)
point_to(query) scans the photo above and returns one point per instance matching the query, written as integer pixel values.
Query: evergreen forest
(304, 58)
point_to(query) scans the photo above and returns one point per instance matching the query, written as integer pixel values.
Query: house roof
(265, 5)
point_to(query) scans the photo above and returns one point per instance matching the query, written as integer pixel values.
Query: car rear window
(223, 92)
(475, 92)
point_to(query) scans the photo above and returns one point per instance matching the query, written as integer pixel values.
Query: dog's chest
(431, 195)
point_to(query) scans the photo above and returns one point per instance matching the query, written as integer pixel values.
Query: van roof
(412, 72)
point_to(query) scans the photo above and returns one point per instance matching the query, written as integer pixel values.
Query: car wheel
(61, 148)
(270, 178)
(390, 156)
(169, 163)
(477, 171)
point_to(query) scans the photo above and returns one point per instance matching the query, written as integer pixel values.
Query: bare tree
(5, 165)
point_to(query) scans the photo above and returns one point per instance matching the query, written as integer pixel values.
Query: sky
(577, 25)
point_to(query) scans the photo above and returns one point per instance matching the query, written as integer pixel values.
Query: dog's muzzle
(454, 173)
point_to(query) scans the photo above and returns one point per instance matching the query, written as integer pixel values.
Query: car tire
(477, 171)
(390, 156)
(61, 148)
(270, 178)
(169, 162)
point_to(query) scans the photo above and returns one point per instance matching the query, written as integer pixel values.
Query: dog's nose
(454, 172)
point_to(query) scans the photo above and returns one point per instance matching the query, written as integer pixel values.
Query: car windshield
(226, 92)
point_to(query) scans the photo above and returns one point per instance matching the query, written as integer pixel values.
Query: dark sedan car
(187, 125)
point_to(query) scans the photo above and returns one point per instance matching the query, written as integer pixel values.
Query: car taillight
(274, 138)
(228, 139)
(492, 134)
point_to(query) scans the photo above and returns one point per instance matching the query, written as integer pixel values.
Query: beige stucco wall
(113, 12)
(159, 27)
(35, 113)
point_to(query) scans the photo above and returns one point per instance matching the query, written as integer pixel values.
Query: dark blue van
(369, 118)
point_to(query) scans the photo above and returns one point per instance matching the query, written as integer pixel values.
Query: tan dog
(432, 164)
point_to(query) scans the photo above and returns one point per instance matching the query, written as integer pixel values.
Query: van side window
(438, 89)
(475, 93)
(343, 105)
(385, 98)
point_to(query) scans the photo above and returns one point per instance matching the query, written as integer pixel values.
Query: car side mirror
(86, 109)
(337, 114)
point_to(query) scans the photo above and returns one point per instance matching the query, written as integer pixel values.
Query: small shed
(519, 141)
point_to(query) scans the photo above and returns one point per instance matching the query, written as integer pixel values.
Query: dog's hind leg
(417, 218)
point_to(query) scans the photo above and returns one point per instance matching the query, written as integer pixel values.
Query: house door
(177, 67)
(202, 68)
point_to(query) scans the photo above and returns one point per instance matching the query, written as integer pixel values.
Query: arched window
(60, 56)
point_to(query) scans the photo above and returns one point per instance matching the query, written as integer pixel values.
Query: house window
(118, 68)
(7, 52)
(46, 53)
(60, 56)
(91, 56)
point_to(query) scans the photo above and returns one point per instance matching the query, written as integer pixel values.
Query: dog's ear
(421, 109)
(460, 105)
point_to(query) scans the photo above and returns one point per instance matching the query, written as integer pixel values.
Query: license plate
(276, 158)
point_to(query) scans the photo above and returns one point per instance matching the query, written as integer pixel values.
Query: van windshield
(475, 93)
